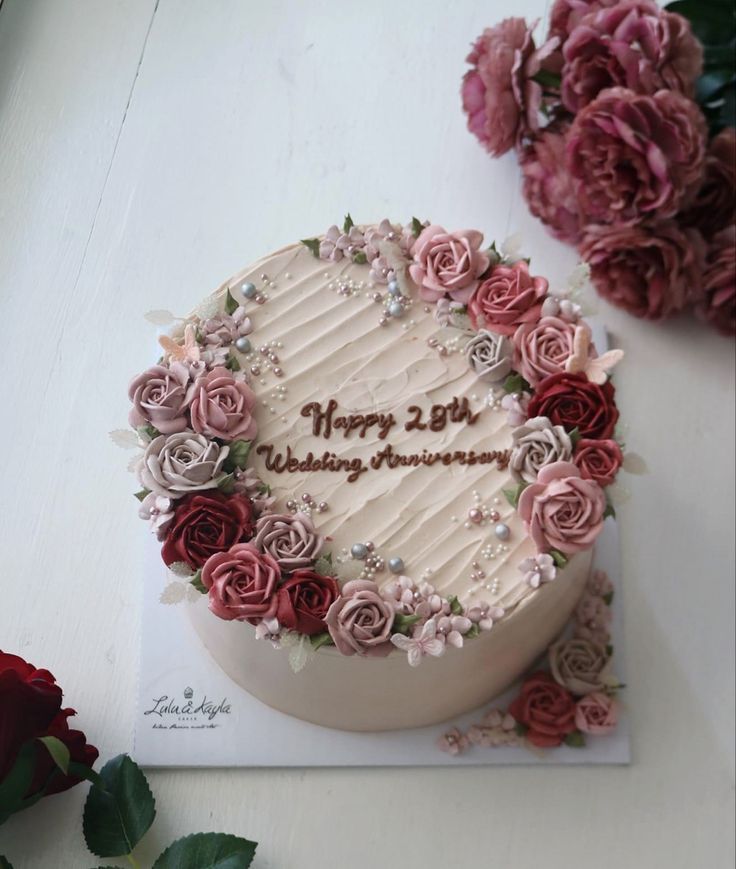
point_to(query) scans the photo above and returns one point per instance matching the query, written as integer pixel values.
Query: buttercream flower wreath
(263, 563)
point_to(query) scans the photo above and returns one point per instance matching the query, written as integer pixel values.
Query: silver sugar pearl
(248, 290)
(393, 288)
(502, 531)
(396, 564)
(396, 309)
(243, 344)
(359, 551)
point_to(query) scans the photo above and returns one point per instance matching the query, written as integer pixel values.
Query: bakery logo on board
(190, 713)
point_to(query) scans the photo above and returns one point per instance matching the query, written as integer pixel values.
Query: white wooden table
(148, 149)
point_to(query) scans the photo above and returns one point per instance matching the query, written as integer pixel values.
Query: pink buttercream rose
(222, 407)
(508, 297)
(360, 620)
(161, 397)
(598, 459)
(634, 156)
(543, 348)
(593, 613)
(448, 262)
(241, 584)
(562, 510)
(500, 96)
(596, 714)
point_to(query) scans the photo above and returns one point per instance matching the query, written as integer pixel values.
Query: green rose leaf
(575, 739)
(512, 495)
(348, 224)
(313, 245)
(16, 783)
(516, 383)
(196, 581)
(208, 851)
(58, 751)
(559, 558)
(118, 812)
(359, 258)
(416, 227)
(142, 494)
(574, 436)
(319, 640)
(231, 303)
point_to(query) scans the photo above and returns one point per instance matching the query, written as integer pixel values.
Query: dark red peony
(30, 706)
(546, 709)
(717, 301)
(598, 460)
(303, 601)
(206, 524)
(572, 401)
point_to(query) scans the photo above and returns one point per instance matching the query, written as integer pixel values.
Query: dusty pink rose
(500, 97)
(650, 271)
(290, 539)
(567, 14)
(714, 206)
(507, 298)
(596, 714)
(161, 397)
(548, 187)
(717, 301)
(360, 620)
(562, 510)
(241, 584)
(222, 407)
(543, 348)
(448, 262)
(634, 44)
(633, 156)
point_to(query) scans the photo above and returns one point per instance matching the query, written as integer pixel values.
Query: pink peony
(634, 44)
(360, 620)
(507, 298)
(448, 262)
(596, 714)
(633, 156)
(561, 510)
(717, 302)
(241, 584)
(161, 397)
(548, 187)
(500, 97)
(651, 272)
(543, 348)
(714, 206)
(222, 407)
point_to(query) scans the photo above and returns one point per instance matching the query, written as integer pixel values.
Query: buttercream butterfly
(596, 368)
(188, 351)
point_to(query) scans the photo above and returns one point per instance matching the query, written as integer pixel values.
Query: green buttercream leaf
(456, 608)
(512, 495)
(609, 650)
(148, 431)
(226, 484)
(208, 851)
(472, 632)
(196, 581)
(142, 494)
(609, 511)
(608, 598)
(574, 436)
(520, 728)
(516, 383)
(313, 245)
(402, 623)
(359, 258)
(239, 451)
(323, 566)
(559, 558)
(416, 227)
(232, 363)
(231, 303)
(348, 224)
(575, 739)
(319, 640)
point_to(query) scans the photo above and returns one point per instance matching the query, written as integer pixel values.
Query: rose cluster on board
(626, 143)
(573, 698)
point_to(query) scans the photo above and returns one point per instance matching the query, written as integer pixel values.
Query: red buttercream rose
(508, 298)
(303, 601)
(242, 584)
(572, 401)
(546, 709)
(206, 524)
(598, 460)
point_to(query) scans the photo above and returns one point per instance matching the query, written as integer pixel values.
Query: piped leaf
(196, 582)
(124, 438)
(402, 623)
(181, 569)
(160, 317)
(226, 484)
(313, 245)
(416, 227)
(456, 608)
(512, 495)
(575, 739)
(348, 224)
(472, 632)
(174, 593)
(608, 598)
(609, 511)
(359, 258)
(238, 455)
(231, 303)
(559, 558)
(574, 436)
(208, 851)
(142, 494)
(516, 383)
(232, 363)
(323, 565)
(319, 640)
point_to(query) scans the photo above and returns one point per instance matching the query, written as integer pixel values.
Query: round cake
(380, 454)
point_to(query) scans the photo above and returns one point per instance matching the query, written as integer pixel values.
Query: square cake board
(191, 714)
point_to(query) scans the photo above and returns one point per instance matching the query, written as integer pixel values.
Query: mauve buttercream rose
(303, 601)
(489, 355)
(241, 584)
(543, 348)
(546, 709)
(222, 406)
(161, 397)
(649, 271)
(500, 96)
(448, 262)
(572, 401)
(174, 465)
(634, 157)
(634, 44)
(290, 539)
(596, 714)
(204, 524)
(562, 510)
(535, 444)
(716, 303)
(714, 205)
(598, 460)
(360, 620)
(508, 297)
(579, 665)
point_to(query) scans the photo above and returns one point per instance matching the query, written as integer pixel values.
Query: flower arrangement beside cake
(269, 554)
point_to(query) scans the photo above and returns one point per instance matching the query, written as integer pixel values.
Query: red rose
(598, 460)
(546, 709)
(30, 706)
(206, 524)
(304, 600)
(572, 401)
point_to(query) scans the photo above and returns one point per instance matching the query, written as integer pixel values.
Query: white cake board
(238, 730)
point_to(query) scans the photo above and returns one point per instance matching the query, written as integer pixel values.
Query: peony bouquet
(623, 123)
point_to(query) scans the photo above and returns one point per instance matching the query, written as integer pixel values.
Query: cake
(381, 456)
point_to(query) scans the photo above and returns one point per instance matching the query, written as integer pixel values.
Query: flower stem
(133, 862)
